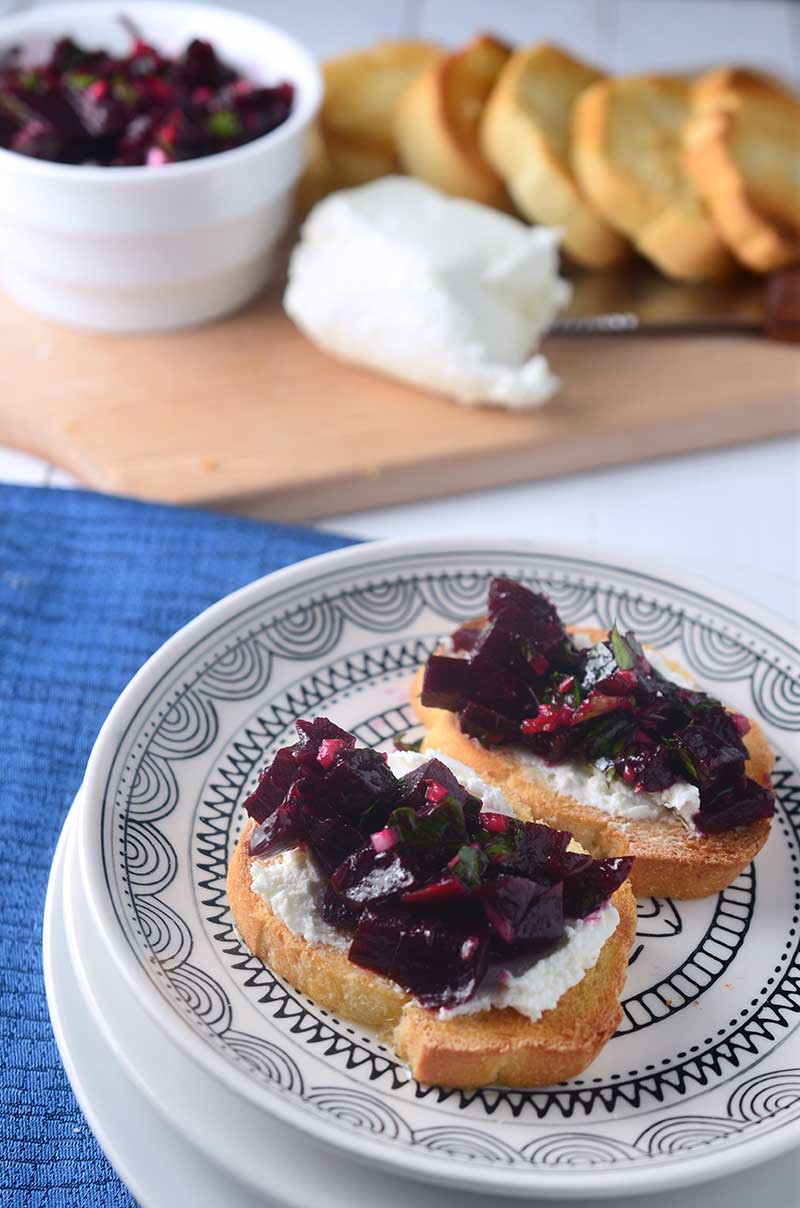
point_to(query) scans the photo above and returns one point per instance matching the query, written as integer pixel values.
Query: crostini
(400, 892)
(594, 734)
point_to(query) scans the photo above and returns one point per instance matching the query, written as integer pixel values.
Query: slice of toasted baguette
(467, 1051)
(363, 88)
(525, 134)
(669, 862)
(627, 155)
(741, 147)
(436, 122)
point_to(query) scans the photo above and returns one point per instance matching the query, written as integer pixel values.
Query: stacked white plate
(206, 1076)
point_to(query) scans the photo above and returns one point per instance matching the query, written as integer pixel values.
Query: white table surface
(731, 516)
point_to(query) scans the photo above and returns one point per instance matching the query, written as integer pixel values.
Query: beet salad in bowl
(148, 157)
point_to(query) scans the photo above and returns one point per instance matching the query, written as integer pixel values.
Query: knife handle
(782, 317)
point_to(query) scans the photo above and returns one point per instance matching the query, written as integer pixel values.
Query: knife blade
(636, 300)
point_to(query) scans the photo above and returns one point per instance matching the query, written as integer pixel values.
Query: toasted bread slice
(436, 123)
(497, 1046)
(741, 148)
(362, 90)
(669, 862)
(627, 155)
(525, 135)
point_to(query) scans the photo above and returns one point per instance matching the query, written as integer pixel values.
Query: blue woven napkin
(90, 586)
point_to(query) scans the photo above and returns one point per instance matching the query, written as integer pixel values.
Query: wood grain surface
(248, 411)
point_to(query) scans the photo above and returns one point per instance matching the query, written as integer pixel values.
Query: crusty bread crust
(435, 125)
(473, 1050)
(741, 146)
(626, 154)
(669, 863)
(524, 126)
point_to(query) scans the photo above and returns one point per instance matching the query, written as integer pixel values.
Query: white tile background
(732, 516)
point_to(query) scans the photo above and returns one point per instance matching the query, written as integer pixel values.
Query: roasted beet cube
(359, 780)
(273, 785)
(499, 648)
(487, 725)
(650, 770)
(538, 852)
(285, 826)
(368, 876)
(440, 957)
(414, 788)
(446, 683)
(522, 911)
(199, 65)
(332, 839)
(588, 887)
(709, 761)
(741, 803)
(338, 913)
(505, 593)
(312, 733)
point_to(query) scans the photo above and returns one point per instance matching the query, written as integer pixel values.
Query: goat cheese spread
(291, 886)
(434, 290)
(589, 786)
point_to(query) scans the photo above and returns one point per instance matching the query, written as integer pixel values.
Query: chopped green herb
(81, 80)
(622, 652)
(224, 124)
(469, 864)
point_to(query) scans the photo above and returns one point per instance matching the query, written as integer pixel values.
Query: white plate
(703, 1077)
(131, 1082)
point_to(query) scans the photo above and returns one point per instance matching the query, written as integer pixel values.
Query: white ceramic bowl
(138, 249)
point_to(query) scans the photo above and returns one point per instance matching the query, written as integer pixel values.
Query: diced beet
(590, 886)
(503, 691)
(499, 648)
(487, 725)
(285, 826)
(311, 735)
(438, 957)
(651, 770)
(509, 592)
(368, 876)
(538, 852)
(554, 747)
(446, 683)
(432, 835)
(710, 762)
(360, 781)
(273, 785)
(542, 634)
(332, 839)
(413, 787)
(739, 805)
(338, 913)
(522, 911)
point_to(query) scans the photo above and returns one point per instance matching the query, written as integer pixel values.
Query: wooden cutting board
(246, 414)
